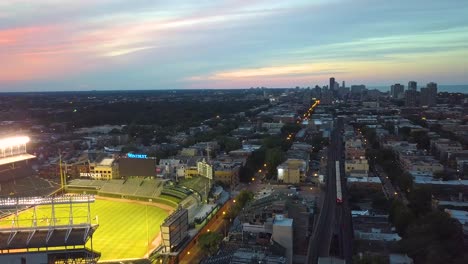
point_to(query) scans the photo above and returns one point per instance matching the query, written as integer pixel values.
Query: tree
(435, 238)
(228, 143)
(272, 142)
(273, 158)
(442, 175)
(420, 200)
(244, 197)
(405, 181)
(209, 242)
(400, 216)
(423, 141)
(379, 202)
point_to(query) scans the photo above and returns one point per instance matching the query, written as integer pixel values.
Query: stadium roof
(40, 237)
(16, 158)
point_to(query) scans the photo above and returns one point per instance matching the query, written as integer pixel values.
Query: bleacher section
(133, 188)
(178, 192)
(28, 186)
(21, 169)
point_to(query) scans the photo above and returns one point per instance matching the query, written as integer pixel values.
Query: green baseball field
(126, 229)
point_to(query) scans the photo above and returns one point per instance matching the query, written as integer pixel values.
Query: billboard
(137, 167)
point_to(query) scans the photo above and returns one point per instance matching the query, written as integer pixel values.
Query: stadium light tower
(13, 145)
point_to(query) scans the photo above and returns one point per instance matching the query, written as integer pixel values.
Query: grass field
(124, 228)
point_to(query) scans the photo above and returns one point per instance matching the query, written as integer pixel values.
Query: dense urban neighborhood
(330, 174)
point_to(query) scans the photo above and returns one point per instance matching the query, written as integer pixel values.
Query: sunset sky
(151, 44)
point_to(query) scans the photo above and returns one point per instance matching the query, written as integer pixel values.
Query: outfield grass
(124, 230)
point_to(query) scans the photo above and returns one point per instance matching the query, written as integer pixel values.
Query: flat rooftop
(106, 162)
(283, 222)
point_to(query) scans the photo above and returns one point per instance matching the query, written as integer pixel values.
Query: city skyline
(114, 45)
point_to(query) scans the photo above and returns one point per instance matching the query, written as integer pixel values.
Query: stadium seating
(28, 186)
(138, 187)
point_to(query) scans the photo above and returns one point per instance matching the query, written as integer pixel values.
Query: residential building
(411, 98)
(412, 86)
(357, 167)
(292, 171)
(189, 152)
(442, 148)
(397, 91)
(227, 173)
(105, 169)
(283, 234)
(429, 95)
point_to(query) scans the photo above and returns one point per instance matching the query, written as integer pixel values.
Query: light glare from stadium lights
(13, 141)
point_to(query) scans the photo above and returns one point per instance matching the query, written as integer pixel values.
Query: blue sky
(143, 44)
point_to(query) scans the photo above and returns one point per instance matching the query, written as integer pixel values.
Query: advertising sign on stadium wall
(137, 156)
(89, 174)
(131, 167)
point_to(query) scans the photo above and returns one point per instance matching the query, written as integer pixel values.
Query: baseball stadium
(84, 220)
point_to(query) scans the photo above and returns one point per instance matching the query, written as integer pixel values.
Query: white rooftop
(106, 162)
(280, 220)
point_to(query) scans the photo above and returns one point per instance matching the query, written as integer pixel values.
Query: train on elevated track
(339, 193)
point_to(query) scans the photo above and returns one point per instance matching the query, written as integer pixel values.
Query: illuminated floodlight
(13, 141)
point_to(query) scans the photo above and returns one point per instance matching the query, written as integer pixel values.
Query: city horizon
(229, 44)
(450, 88)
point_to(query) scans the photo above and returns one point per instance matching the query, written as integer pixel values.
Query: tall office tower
(327, 97)
(397, 91)
(344, 86)
(411, 98)
(412, 85)
(332, 83)
(429, 95)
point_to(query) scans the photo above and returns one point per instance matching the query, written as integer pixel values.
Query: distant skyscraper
(327, 97)
(412, 85)
(411, 98)
(429, 95)
(432, 85)
(332, 83)
(397, 91)
(344, 86)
